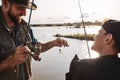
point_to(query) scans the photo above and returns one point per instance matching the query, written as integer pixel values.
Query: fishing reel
(36, 48)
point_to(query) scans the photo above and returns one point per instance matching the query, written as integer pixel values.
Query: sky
(59, 11)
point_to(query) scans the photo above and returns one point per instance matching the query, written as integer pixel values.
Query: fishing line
(83, 24)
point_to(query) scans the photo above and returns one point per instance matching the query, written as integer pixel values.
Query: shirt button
(15, 71)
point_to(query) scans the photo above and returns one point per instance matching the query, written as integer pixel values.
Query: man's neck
(107, 51)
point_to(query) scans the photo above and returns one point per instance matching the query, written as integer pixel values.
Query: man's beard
(13, 17)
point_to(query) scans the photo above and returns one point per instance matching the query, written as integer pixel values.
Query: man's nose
(23, 12)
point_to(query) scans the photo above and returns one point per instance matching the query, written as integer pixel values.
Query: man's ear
(5, 4)
(108, 38)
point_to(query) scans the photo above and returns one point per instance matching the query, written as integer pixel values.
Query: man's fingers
(62, 42)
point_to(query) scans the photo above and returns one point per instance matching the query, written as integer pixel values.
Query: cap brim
(30, 6)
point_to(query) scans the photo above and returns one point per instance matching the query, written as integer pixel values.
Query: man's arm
(6, 64)
(42, 47)
(55, 43)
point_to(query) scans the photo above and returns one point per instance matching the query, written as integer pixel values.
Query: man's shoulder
(24, 25)
(83, 63)
(23, 22)
(80, 65)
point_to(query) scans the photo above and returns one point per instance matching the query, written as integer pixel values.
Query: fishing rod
(83, 24)
(33, 46)
(30, 13)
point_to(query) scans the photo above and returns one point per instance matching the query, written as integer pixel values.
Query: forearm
(58, 43)
(47, 46)
(6, 64)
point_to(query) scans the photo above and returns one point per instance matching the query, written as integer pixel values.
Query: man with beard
(105, 67)
(15, 41)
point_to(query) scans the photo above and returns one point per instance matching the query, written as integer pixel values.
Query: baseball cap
(113, 27)
(25, 3)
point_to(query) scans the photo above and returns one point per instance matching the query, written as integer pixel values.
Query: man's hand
(21, 54)
(60, 42)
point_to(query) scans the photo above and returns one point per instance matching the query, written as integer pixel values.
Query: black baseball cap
(25, 3)
(113, 27)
